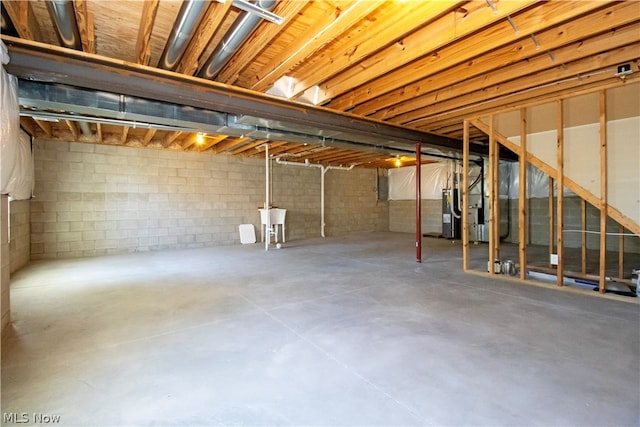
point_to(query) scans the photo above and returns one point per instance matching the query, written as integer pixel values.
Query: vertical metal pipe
(267, 239)
(418, 205)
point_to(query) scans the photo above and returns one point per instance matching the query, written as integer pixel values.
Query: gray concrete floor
(338, 331)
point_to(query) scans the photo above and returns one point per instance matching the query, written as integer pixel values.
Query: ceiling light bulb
(398, 162)
(200, 139)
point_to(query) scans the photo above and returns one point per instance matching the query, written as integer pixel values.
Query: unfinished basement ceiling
(420, 65)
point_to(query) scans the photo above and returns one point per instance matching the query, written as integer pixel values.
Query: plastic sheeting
(16, 164)
(437, 176)
(402, 181)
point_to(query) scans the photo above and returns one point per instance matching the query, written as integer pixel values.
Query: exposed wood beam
(560, 195)
(422, 50)
(28, 125)
(23, 19)
(552, 216)
(191, 140)
(208, 27)
(148, 136)
(147, 19)
(259, 151)
(170, 138)
(123, 134)
(212, 140)
(99, 133)
(325, 31)
(522, 195)
(557, 75)
(541, 95)
(402, 19)
(498, 67)
(73, 128)
(603, 192)
(247, 147)
(85, 26)
(229, 143)
(256, 42)
(45, 126)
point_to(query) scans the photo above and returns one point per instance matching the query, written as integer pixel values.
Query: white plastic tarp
(9, 122)
(16, 161)
(402, 181)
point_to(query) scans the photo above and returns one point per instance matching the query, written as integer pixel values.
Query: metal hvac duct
(237, 34)
(189, 18)
(7, 25)
(64, 18)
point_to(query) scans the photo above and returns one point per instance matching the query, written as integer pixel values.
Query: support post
(603, 191)
(551, 221)
(493, 147)
(465, 195)
(267, 205)
(418, 204)
(522, 195)
(560, 208)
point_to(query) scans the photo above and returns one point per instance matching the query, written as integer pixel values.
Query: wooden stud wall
(556, 210)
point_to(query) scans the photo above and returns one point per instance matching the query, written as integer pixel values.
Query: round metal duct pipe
(189, 18)
(237, 34)
(64, 18)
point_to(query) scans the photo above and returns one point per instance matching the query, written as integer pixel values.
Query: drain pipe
(323, 171)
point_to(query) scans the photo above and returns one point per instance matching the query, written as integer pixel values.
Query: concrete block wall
(402, 216)
(4, 262)
(19, 238)
(97, 199)
(539, 225)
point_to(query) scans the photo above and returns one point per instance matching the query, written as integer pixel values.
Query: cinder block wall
(539, 225)
(96, 199)
(402, 216)
(4, 261)
(20, 241)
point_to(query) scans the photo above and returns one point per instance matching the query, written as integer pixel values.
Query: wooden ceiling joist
(257, 41)
(208, 27)
(170, 138)
(438, 58)
(567, 42)
(73, 128)
(575, 70)
(403, 18)
(325, 32)
(147, 19)
(86, 29)
(23, 19)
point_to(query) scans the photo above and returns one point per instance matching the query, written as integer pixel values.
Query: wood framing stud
(560, 202)
(465, 195)
(603, 191)
(522, 195)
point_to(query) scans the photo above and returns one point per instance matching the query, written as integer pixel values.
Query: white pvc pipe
(323, 170)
